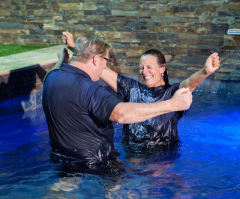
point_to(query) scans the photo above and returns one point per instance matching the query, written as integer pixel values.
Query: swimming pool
(207, 165)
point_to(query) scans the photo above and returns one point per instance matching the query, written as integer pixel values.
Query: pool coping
(29, 58)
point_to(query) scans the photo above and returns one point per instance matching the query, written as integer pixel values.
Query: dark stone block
(185, 8)
(232, 54)
(34, 6)
(168, 37)
(107, 7)
(219, 28)
(235, 66)
(200, 50)
(31, 17)
(98, 11)
(146, 36)
(16, 13)
(140, 26)
(123, 29)
(114, 19)
(133, 24)
(193, 60)
(228, 13)
(91, 12)
(120, 45)
(36, 29)
(68, 1)
(163, 1)
(20, 19)
(6, 25)
(145, 19)
(103, 28)
(210, 39)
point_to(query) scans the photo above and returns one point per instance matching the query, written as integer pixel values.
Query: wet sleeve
(101, 104)
(124, 85)
(173, 89)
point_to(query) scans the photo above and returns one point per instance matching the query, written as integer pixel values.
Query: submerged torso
(77, 112)
(157, 132)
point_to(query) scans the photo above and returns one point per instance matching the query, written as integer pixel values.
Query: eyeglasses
(109, 61)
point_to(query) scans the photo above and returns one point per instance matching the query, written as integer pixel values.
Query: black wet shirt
(77, 110)
(157, 132)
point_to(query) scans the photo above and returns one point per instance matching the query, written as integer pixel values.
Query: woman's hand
(212, 63)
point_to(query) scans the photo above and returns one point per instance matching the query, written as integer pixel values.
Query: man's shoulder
(50, 75)
(88, 87)
(87, 83)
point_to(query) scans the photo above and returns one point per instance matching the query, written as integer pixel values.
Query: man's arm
(68, 40)
(63, 57)
(211, 65)
(126, 113)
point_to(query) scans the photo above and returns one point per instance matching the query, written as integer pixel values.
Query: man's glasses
(109, 61)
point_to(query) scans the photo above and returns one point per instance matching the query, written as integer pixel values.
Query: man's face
(103, 62)
(105, 59)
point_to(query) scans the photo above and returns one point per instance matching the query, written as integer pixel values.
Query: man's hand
(68, 39)
(212, 63)
(182, 99)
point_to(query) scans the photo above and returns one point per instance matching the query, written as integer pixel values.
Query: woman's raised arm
(110, 77)
(211, 65)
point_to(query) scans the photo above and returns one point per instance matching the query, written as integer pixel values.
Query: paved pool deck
(41, 56)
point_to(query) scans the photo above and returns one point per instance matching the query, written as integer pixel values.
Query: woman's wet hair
(87, 47)
(160, 59)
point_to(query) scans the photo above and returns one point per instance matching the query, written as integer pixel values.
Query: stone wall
(188, 30)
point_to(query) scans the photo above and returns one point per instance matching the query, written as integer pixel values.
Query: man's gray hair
(85, 48)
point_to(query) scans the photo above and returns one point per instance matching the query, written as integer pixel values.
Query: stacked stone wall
(188, 30)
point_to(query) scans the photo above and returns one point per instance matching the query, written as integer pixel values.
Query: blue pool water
(207, 165)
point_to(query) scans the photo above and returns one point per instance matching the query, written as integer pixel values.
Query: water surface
(207, 165)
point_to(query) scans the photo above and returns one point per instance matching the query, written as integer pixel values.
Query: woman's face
(151, 71)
